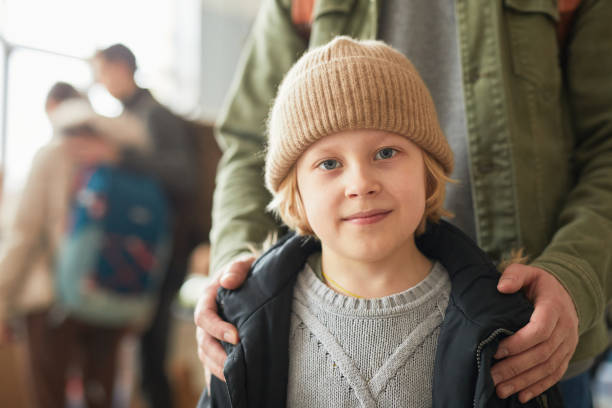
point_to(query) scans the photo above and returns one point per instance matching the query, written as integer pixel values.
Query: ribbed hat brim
(341, 87)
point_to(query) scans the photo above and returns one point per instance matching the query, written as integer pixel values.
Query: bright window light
(51, 41)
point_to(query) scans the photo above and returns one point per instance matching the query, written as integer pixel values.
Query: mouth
(367, 217)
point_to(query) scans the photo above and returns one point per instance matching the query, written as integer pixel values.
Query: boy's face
(363, 193)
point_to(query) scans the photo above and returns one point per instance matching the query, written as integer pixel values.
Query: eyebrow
(327, 152)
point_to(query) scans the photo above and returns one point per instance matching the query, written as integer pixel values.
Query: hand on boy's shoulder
(537, 356)
(210, 327)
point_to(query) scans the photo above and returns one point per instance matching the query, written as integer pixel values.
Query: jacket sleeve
(579, 253)
(24, 239)
(239, 216)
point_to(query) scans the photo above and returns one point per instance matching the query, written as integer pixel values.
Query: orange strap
(302, 16)
(301, 11)
(567, 9)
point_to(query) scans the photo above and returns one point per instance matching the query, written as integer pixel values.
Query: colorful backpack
(111, 263)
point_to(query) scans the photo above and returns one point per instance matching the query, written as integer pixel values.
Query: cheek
(411, 196)
(318, 204)
(311, 201)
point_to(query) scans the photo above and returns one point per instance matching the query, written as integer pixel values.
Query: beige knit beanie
(350, 85)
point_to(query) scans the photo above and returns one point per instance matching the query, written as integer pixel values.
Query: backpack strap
(302, 16)
(567, 10)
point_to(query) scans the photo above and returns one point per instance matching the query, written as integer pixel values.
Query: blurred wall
(225, 27)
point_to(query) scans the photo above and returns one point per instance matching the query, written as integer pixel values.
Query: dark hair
(119, 53)
(62, 91)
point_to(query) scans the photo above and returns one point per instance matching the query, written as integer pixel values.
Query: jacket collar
(444, 242)
(469, 334)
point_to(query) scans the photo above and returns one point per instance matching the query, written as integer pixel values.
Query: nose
(361, 182)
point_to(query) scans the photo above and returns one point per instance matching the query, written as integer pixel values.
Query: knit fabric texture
(350, 85)
(350, 352)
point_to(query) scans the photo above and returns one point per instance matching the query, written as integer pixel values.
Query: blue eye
(385, 153)
(329, 164)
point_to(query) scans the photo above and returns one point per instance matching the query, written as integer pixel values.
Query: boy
(389, 306)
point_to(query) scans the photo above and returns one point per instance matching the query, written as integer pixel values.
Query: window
(31, 74)
(3, 61)
(49, 41)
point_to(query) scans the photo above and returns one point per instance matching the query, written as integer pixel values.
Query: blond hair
(287, 201)
(515, 256)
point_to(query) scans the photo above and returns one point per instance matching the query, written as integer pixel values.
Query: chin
(368, 253)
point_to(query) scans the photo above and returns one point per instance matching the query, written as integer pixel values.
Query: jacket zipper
(483, 343)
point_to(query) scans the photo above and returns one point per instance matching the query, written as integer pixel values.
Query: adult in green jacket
(538, 114)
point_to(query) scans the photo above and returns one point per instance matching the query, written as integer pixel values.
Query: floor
(186, 373)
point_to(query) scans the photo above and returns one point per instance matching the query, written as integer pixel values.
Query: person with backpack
(173, 162)
(59, 338)
(524, 91)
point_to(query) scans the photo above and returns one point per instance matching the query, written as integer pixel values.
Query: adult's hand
(537, 356)
(210, 327)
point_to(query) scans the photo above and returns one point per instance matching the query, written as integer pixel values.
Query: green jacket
(540, 135)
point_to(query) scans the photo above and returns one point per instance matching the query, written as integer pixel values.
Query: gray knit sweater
(349, 352)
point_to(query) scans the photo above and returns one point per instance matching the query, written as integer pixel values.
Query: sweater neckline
(310, 288)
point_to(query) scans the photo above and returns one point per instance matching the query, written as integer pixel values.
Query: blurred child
(31, 246)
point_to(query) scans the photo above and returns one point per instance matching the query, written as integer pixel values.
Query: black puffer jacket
(476, 319)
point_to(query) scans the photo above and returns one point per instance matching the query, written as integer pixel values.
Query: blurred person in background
(173, 163)
(27, 260)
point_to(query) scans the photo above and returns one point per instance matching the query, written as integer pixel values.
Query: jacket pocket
(325, 7)
(330, 19)
(549, 7)
(532, 30)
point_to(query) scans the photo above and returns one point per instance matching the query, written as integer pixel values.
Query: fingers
(209, 349)
(236, 272)
(206, 317)
(541, 325)
(535, 381)
(207, 301)
(211, 354)
(523, 371)
(210, 327)
(207, 375)
(514, 278)
(544, 384)
(540, 352)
